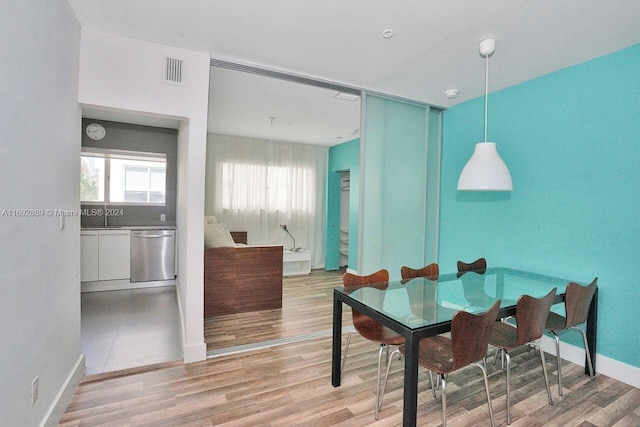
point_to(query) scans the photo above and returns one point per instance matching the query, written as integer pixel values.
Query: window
(256, 185)
(143, 184)
(125, 177)
(92, 176)
(272, 188)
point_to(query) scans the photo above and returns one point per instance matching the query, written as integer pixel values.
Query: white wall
(123, 74)
(39, 169)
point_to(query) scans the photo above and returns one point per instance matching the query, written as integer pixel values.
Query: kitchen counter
(127, 257)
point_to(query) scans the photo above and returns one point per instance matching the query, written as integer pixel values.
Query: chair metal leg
(558, 362)
(483, 366)
(433, 387)
(586, 348)
(378, 398)
(386, 377)
(495, 357)
(346, 350)
(544, 372)
(384, 384)
(443, 378)
(386, 361)
(508, 357)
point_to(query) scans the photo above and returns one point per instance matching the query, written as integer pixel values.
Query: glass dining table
(421, 307)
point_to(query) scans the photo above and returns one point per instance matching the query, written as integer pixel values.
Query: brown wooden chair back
(577, 301)
(531, 316)
(352, 282)
(432, 271)
(479, 266)
(365, 325)
(380, 279)
(470, 335)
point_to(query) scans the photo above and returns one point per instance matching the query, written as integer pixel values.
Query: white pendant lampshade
(485, 171)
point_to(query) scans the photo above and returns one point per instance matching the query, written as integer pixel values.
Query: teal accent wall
(571, 140)
(342, 157)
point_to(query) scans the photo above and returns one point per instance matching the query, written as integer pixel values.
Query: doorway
(345, 188)
(253, 105)
(127, 324)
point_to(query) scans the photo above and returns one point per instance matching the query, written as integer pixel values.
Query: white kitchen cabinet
(114, 254)
(89, 256)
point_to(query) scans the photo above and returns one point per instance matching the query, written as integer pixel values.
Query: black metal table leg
(337, 341)
(592, 330)
(410, 409)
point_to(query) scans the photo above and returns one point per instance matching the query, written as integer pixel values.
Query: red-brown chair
(431, 271)
(479, 266)
(531, 315)
(366, 326)
(577, 301)
(467, 346)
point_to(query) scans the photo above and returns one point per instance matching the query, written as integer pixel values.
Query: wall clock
(96, 131)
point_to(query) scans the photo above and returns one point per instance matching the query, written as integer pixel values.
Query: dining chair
(577, 301)
(473, 290)
(467, 346)
(473, 284)
(431, 271)
(479, 266)
(531, 315)
(366, 326)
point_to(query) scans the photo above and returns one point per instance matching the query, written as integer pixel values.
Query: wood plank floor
(291, 384)
(307, 303)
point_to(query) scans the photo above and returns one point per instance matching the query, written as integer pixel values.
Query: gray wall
(124, 136)
(39, 170)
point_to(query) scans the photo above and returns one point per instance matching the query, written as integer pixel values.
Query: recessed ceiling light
(347, 96)
(451, 93)
(387, 34)
(354, 131)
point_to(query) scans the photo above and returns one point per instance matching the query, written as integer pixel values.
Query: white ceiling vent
(173, 73)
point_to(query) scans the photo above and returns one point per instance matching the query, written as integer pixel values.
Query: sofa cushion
(210, 219)
(217, 235)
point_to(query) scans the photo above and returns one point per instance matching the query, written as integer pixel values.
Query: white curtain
(255, 185)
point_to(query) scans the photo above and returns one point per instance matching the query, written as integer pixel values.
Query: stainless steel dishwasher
(152, 255)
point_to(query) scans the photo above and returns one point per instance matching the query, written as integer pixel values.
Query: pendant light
(485, 170)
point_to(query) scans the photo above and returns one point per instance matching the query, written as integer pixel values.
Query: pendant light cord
(486, 95)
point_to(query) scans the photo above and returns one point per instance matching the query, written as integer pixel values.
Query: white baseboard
(190, 352)
(604, 365)
(194, 353)
(123, 284)
(351, 271)
(62, 400)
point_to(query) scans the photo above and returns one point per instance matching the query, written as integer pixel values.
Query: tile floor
(129, 328)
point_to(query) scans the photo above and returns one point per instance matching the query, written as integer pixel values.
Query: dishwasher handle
(152, 234)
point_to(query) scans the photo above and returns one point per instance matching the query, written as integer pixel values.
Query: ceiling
(279, 110)
(434, 48)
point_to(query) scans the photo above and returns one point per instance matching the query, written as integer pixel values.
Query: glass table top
(422, 302)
